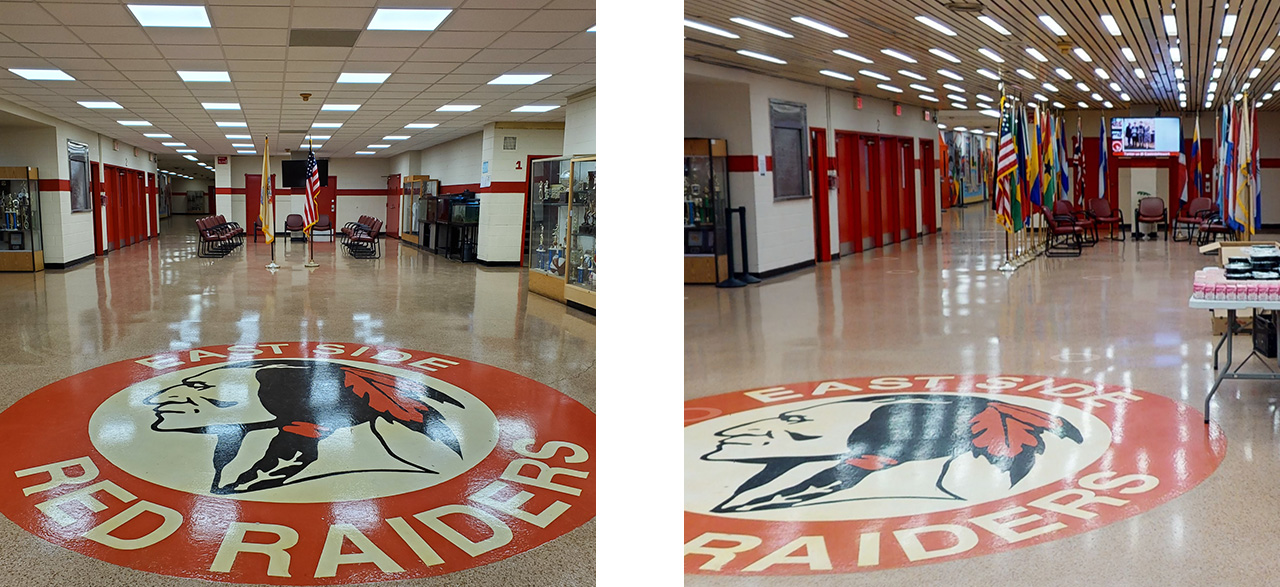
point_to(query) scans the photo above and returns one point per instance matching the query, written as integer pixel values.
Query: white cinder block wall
(580, 125)
(502, 205)
(734, 105)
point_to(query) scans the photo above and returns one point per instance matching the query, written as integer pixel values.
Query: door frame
(848, 191)
(392, 226)
(928, 171)
(820, 185)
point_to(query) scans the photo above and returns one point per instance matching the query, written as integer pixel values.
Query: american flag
(1006, 163)
(313, 188)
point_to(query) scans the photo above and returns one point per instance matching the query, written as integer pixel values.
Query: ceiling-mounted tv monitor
(295, 172)
(1145, 137)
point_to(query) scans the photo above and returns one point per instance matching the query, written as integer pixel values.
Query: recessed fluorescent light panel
(1170, 25)
(326, 125)
(1025, 73)
(395, 137)
(316, 137)
(1254, 72)
(239, 137)
(988, 74)
(158, 135)
(853, 56)
(935, 25)
(761, 56)
(184, 150)
(377, 146)
(951, 74)
(1175, 55)
(1128, 54)
(1041, 97)
(204, 76)
(984, 97)
(987, 20)
(363, 78)
(1102, 73)
(922, 88)
(519, 79)
(189, 158)
(306, 147)
(247, 152)
(706, 28)
(174, 144)
(945, 55)
(1059, 105)
(874, 75)
(1110, 22)
(1141, 74)
(928, 98)
(43, 74)
(232, 124)
(157, 15)
(911, 74)
(1082, 87)
(220, 105)
(422, 124)
(959, 106)
(757, 26)
(813, 24)
(134, 122)
(1049, 86)
(1079, 51)
(365, 152)
(1222, 54)
(835, 74)
(1053, 25)
(341, 107)
(889, 88)
(100, 105)
(992, 55)
(957, 98)
(407, 19)
(1032, 51)
(898, 55)
(1266, 55)
(242, 145)
(1115, 87)
(1228, 25)
(1125, 97)
(526, 108)
(953, 88)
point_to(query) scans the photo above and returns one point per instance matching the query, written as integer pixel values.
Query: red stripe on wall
(225, 191)
(1268, 163)
(55, 185)
(748, 163)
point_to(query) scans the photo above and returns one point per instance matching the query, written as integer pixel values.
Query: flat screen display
(295, 172)
(1145, 137)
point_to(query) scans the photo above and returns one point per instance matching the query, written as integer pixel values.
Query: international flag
(1197, 178)
(1006, 164)
(1035, 174)
(1182, 178)
(313, 188)
(1242, 213)
(1104, 144)
(1021, 193)
(1256, 178)
(1063, 177)
(1078, 157)
(266, 202)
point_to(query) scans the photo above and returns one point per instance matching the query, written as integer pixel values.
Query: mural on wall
(163, 189)
(969, 159)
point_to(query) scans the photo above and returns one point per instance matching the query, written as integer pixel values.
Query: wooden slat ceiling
(112, 57)
(876, 25)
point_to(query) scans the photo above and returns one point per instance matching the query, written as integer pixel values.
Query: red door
(95, 200)
(821, 195)
(115, 207)
(928, 195)
(395, 192)
(327, 200)
(891, 165)
(909, 189)
(848, 205)
(873, 193)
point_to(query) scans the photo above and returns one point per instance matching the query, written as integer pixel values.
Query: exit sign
(858, 102)
(897, 109)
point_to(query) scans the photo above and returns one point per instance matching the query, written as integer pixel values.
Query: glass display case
(706, 197)
(21, 238)
(561, 250)
(418, 190)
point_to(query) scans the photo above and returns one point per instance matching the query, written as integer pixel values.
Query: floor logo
(298, 463)
(872, 473)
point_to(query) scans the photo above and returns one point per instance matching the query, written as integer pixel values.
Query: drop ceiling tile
(330, 18)
(97, 76)
(412, 68)
(141, 65)
(465, 78)
(579, 41)
(565, 56)
(182, 36)
(198, 65)
(14, 50)
(191, 51)
(571, 5)
(254, 53)
(503, 56)
(276, 87)
(151, 75)
(115, 52)
(38, 34)
(530, 40)
(291, 76)
(62, 50)
(239, 65)
(417, 82)
(231, 37)
(444, 55)
(28, 62)
(256, 76)
(581, 69)
(380, 54)
(458, 40)
(88, 14)
(410, 39)
(484, 20)
(249, 16)
(332, 67)
(25, 12)
(491, 69)
(111, 35)
(318, 53)
(559, 21)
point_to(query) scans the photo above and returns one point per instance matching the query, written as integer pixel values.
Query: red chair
(1082, 219)
(1102, 213)
(1063, 237)
(1190, 217)
(1152, 211)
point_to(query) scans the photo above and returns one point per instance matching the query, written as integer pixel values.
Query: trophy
(555, 258)
(540, 258)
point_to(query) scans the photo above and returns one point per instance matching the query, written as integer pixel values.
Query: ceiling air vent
(964, 6)
(323, 37)
(508, 143)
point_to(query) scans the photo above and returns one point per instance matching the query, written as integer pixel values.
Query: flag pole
(311, 243)
(267, 207)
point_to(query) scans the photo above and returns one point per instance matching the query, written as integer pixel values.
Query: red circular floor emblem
(873, 473)
(298, 463)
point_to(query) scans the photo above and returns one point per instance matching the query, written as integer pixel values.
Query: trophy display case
(418, 190)
(21, 237)
(706, 197)
(561, 250)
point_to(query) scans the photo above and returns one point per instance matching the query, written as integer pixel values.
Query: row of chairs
(360, 238)
(1201, 221)
(218, 237)
(1070, 228)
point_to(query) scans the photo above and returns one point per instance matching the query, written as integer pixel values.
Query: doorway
(928, 195)
(821, 194)
(395, 192)
(848, 193)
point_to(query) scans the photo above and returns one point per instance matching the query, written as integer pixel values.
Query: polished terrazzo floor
(158, 296)
(1116, 315)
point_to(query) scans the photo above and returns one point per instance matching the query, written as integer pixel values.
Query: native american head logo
(272, 417)
(818, 454)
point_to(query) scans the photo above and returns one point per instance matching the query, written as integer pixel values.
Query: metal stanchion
(746, 262)
(730, 281)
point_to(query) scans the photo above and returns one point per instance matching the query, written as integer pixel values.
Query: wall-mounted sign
(857, 101)
(222, 160)
(897, 109)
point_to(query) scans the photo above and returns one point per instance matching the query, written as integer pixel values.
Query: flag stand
(272, 264)
(311, 246)
(311, 243)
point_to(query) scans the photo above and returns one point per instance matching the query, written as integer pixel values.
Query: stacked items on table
(1212, 283)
